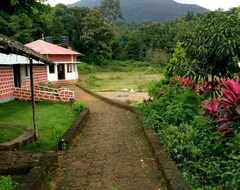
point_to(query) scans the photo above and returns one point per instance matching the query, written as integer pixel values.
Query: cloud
(213, 4)
(54, 2)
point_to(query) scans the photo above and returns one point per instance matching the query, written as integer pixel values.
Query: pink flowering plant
(227, 109)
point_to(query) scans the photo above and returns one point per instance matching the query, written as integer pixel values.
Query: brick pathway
(111, 153)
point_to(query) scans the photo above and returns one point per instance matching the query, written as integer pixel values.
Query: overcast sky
(213, 4)
(210, 4)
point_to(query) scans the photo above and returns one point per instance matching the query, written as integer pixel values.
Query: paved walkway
(111, 153)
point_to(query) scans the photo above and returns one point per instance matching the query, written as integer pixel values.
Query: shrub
(228, 110)
(206, 159)
(178, 63)
(78, 106)
(92, 80)
(85, 68)
(175, 106)
(6, 183)
(157, 89)
(158, 57)
(183, 108)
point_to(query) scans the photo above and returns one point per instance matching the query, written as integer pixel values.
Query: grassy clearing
(117, 81)
(118, 75)
(53, 119)
(7, 133)
(118, 66)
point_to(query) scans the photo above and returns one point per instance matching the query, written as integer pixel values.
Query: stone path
(111, 153)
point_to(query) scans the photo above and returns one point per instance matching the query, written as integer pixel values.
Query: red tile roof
(47, 48)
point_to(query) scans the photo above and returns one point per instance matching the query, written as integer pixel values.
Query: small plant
(231, 92)
(92, 80)
(63, 145)
(78, 106)
(212, 107)
(227, 111)
(6, 183)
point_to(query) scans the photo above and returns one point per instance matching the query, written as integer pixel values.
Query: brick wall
(44, 93)
(40, 76)
(60, 58)
(6, 82)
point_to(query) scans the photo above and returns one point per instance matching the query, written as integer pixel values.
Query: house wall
(52, 76)
(60, 58)
(70, 77)
(7, 87)
(6, 83)
(45, 93)
(39, 76)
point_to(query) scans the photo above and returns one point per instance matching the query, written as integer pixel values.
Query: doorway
(17, 75)
(61, 71)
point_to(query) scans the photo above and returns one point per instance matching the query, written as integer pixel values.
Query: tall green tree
(58, 22)
(97, 37)
(22, 27)
(22, 18)
(111, 10)
(75, 26)
(4, 23)
(214, 44)
(16, 6)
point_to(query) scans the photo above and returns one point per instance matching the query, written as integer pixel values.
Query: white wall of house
(52, 76)
(71, 72)
(76, 71)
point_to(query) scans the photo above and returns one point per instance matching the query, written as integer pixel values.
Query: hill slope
(142, 10)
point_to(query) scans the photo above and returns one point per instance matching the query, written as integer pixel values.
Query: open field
(119, 81)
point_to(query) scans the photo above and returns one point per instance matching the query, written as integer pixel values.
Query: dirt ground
(126, 97)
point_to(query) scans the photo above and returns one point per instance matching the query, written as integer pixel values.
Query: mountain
(142, 10)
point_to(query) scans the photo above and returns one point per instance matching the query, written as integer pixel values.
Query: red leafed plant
(229, 105)
(231, 92)
(228, 109)
(212, 107)
(202, 87)
(187, 81)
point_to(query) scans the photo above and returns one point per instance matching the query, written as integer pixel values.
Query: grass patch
(53, 119)
(117, 81)
(118, 66)
(9, 133)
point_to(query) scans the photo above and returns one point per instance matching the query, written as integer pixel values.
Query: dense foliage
(96, 33)
(202, 50)
(204, 146)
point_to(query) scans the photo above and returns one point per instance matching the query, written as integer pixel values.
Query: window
(69, 68)
(51, 68)
(26, 71)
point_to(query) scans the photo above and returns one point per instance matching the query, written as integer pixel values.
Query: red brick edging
(166, 165)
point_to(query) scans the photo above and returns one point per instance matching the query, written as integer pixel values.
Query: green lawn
(7, 133)
(116, 81)
(53, 119)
